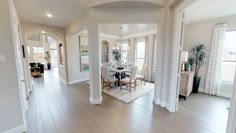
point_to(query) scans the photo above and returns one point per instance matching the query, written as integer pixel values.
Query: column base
(95, 101)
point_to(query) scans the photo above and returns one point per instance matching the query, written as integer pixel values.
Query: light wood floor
(55, 108)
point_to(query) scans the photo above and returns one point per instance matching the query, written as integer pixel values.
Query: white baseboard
(77, 81)
(63, 81)
(226, 95)
(159, 102)
(95, 101)
(19, 129)
(222, 94)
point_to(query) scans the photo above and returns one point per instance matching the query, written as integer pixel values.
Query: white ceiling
(128, 4)
(64, 11)
(115, 30)
(202, 10)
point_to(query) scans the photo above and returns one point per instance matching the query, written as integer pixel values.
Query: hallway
(55, 108)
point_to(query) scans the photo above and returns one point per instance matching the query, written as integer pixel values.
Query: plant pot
(196, 83)
(49, 66)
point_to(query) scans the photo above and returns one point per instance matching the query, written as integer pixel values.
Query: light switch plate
(2, 59)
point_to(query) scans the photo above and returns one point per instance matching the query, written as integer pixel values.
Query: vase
(196, 84)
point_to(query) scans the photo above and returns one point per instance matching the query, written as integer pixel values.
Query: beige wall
(74, 73)
(201, 32)
(29, 28)
(11, 115)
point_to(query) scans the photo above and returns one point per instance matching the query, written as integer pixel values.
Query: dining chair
(141, 76)
(107, 79)
(128, 81)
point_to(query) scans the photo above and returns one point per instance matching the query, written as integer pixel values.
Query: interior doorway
(126, 48)
(43, 52)
(184, 29)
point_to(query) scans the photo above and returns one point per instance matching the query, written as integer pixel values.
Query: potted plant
(48, 58)
(197, 59)
(191, 62)
(117, 55)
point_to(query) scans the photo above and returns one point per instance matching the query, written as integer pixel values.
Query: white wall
(201, 32)
(162, 16)
(74, 73)
(11, 115)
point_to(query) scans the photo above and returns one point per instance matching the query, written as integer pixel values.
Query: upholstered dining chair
(107, 79)
(141, 76)
(130, 80)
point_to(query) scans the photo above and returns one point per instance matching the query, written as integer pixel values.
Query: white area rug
(125, 95)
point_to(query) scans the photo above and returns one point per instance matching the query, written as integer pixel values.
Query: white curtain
(213, 79)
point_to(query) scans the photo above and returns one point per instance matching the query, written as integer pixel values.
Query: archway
(43, 48)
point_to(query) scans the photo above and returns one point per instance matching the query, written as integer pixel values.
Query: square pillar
(94, 63)
(163, 60)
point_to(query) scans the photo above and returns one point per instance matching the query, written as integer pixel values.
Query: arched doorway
(42, 49)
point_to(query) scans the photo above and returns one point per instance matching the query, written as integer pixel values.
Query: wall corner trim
(19, 129)
(163, 104)
(63, 81)
(95, 101)
(77, 81)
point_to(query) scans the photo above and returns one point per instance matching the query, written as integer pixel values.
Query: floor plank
(55, 108)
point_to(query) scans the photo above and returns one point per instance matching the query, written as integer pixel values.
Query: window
(140, 54)
(124, 52)
(229, 57)
(38, 54)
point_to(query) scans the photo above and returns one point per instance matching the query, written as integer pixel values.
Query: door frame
(175, 70)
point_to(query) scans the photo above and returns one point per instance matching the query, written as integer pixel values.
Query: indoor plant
(197, 59)
(117, 55)
(47, 58)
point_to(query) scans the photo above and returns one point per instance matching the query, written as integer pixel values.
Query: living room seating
(130, 80)
(36, 69)
(107, 79)
(141, 76)
(186, 84)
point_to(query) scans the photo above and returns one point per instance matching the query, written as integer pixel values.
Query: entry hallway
(55, 108)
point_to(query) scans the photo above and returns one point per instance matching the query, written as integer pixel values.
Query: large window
(124, 51)
(140, 54)
(229, 57)
(38, 54)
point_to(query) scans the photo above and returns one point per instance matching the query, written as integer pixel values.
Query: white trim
(140, 34)
(158, 102)
(95, 101)
(174, 88)
(222, 94)
(226, 95)
(231, 125)
(63, 81)
(19, 129)
(77, 81)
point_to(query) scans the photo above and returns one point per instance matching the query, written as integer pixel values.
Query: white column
(94, 62)
(163, 60)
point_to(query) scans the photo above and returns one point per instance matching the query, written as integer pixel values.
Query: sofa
(39, 65)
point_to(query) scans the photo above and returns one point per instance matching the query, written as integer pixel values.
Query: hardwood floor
(55, 108)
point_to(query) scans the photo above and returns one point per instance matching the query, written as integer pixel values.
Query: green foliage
(198, 57)
(117, 55)
(47, 57)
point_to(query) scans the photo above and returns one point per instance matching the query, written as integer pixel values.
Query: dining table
(119, 73)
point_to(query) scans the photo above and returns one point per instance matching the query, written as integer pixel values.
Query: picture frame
(84, 63)
(83, 45)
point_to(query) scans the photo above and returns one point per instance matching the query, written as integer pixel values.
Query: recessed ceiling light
(43, 32)
(49, 15)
